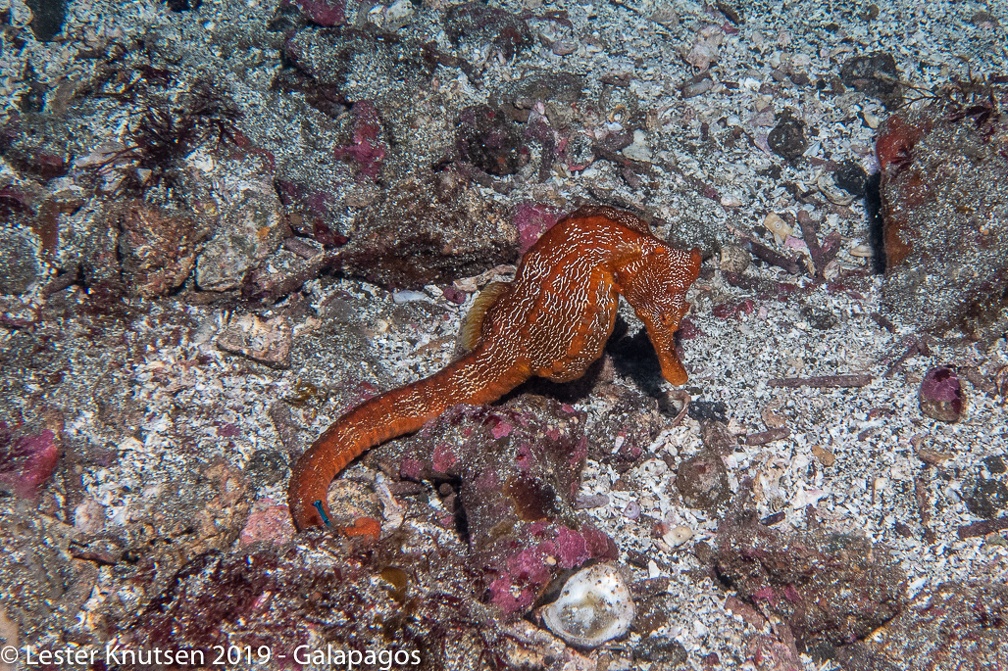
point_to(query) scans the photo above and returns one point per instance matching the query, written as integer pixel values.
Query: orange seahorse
(552, 320)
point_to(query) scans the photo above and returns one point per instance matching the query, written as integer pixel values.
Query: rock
(429, 229)
(175, 519)
(654, 611)
(251, 227)
(704, 51)
(734, 259)
(265, 340)
(819, 318)
(703, 481)
(995, 464)
(266, 467)
(874, 74)
(101, 267)
(477, 24)
(263, 595)
(397, 15)
(37, 144)
(639, 150)
(325, 13)
(594, 606)
(824, 455)
(944, 190)
(773, 654)
(36, 567)
(19, 264)
(312, 210)
(337, 68)
(283, 273)
(829, 587)
(941, 396)
(956, 625)
(631, 420)
(489, 140)
(787, 139)
(663, 654)
(708, 411)
(852, 178)
(834, 194)
(157, 248)
(986, 497)
(520, 470)
(556, 88)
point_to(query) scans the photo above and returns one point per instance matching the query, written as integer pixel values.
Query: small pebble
(694, 89)
(408, 296)
(825, 457)
(734, 259)
(787, 139)
(941, 395)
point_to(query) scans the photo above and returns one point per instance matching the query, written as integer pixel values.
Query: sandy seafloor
(876, 432)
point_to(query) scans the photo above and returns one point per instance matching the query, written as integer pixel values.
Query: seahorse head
(655, 286)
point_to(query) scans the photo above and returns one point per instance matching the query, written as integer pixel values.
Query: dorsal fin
(472, 327)
(623, 217)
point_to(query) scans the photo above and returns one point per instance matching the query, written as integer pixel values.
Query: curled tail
(474, 379)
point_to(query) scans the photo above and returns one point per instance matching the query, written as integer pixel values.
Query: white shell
(776, 225)
(595, 606)
(832, 192)
(677, 535)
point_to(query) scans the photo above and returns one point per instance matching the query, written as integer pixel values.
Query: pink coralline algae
(26, 461)
(765, 594)
(411, 469)
(228, 430)
(268, 522)
(326, 13)
(731, 310)
(532, 220)
(525, 458)
(572, 548)
(529, 565)
(578, 456)
(454, 295)
(366, 151)
(504, 595)
(311, 212)
(501, 429)
(443, 459)
(527, 573)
